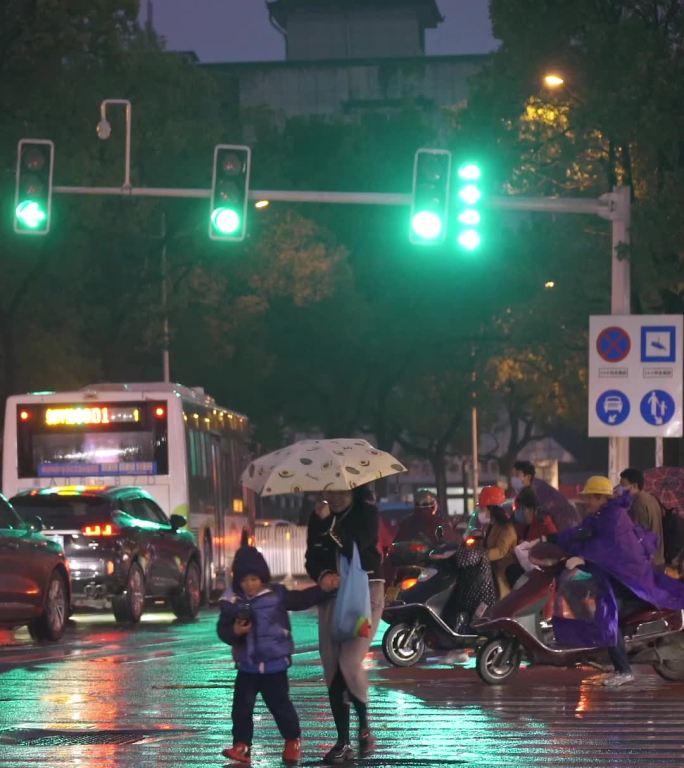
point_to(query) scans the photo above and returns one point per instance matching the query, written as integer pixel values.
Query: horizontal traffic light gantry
(430, 196)
(33, 191)
(467, 202)
(229, 192)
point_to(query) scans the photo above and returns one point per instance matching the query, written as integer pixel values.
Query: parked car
(122, 548)
(34, 578)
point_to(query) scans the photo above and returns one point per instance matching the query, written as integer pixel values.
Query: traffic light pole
(613, 206)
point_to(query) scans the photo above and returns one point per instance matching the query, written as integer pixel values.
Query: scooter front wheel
(498, 660)
(403, 644)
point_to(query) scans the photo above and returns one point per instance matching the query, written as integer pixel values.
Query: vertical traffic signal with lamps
(430, 197)
(33, 194)
(229, 192)
(467, 203)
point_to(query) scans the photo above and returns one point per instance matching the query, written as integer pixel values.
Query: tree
(92, 286)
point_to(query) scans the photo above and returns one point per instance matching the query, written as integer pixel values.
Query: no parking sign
(635, 376)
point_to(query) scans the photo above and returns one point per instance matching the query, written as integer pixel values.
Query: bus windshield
(91, 440)
(93, 453)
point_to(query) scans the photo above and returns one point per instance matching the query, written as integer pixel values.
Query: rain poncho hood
(552, 501)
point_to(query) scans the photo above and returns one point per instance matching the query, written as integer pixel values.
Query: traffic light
(468, 200)
(229, 192)
(33, 194)
(430, 200)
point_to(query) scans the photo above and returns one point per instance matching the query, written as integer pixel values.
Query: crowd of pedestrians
(622, 534)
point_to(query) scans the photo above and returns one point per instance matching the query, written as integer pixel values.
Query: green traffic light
(470, 217)
(469, 239)
(225, 221)
(30, 215)
(470, 194)
(427, 225)
(469, 172)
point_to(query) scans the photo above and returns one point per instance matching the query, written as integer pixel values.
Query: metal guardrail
(283, 546)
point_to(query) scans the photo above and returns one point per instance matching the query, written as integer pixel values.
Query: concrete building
(344, 58)
(353, 29)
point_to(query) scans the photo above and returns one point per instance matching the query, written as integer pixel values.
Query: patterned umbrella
(667, 484)
(319, 465)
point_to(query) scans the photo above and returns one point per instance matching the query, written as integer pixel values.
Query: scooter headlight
(408, 583)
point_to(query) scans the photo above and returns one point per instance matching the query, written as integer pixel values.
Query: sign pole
(620, 304)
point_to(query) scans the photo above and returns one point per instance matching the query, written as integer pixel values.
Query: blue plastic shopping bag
(352, 614)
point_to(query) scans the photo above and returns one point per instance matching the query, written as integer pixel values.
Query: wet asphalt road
(159, 695)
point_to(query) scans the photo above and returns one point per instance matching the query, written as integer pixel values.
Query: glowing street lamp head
(225, 221)
(553, 80)
(427, 225)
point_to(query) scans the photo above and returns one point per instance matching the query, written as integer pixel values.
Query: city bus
(171, 440)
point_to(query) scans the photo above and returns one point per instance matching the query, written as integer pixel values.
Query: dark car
(121, 547)
(34, 578)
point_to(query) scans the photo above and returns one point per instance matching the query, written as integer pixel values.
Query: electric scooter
(416, 617)
(517, 628)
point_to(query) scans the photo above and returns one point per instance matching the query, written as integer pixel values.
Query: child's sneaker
(366, 742)
(238, 753)
(340, 753)
(292, 751)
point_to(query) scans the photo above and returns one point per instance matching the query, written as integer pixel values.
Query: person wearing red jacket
(423, 523)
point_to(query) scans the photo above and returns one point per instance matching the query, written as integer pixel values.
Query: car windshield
(61, 511)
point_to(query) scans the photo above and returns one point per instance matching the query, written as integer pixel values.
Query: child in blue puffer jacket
(254, 621)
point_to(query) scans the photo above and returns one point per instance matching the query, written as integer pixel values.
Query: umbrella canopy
(319, 465)
(667, 484)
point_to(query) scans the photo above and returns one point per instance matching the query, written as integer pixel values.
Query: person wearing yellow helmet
(608, 541)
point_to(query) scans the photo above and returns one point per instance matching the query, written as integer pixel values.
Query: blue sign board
(658, 344)
(612, 407)
(657, 407)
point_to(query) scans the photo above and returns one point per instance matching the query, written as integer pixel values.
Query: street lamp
(620, 291)
(104, 131)
(553, 80)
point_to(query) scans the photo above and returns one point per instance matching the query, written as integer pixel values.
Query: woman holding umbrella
(340, 520)
(340, 469)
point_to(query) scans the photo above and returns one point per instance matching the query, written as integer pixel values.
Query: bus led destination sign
(85, 415)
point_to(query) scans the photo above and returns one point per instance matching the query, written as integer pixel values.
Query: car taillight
(100, 529)
(408, 583)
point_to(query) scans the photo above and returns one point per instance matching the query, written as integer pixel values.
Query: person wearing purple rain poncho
(612, 545)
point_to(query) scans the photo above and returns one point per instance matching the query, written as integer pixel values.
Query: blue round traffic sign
(612, 407)
(613, 344)
(657, 407)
